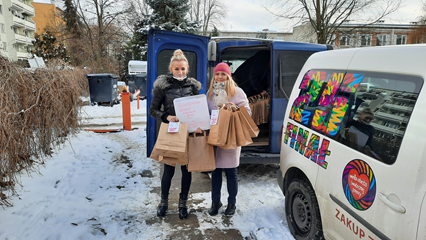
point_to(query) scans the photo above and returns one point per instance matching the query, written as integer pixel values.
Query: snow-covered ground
(100, 186)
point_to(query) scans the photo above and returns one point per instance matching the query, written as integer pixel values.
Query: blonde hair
(230, 87)
(178, 56)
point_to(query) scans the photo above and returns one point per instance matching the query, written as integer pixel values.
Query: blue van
(204, 53)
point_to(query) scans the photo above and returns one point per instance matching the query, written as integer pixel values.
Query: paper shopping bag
(231, 139)
(167, 160)
(253, 129)
(173, 145)
(239, 131)
(245, 127)
(201, 154)
(219, 132)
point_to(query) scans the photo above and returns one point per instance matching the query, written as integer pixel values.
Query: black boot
(163, 206)
(230, 210)
(215, 208)
(183, 209)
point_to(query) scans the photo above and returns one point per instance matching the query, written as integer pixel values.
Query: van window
(366, 111)
(287, 67)
(163, 62)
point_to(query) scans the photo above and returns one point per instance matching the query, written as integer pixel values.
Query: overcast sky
(250, 15)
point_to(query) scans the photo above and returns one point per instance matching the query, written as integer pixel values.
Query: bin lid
(136, 75)
(102, 75)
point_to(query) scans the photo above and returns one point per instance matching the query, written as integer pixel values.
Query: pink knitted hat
(222, 67)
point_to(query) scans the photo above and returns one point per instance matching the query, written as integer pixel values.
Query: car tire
(302, 211)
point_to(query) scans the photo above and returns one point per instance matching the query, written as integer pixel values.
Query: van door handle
(390, 204)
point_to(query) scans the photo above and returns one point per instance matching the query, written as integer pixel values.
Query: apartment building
(265, 33)
(16, 29)
(351, 35)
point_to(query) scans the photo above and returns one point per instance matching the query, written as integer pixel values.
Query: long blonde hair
(230, 87)
(178, 56)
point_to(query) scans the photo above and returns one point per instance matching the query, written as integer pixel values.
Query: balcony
(18, 22)
(23, 55)
(22, 39)
(22, 7)
(391, 117)
(30, 25)
(388, 130)
(399, 107)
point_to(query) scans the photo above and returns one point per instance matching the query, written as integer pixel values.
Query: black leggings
(166, 180)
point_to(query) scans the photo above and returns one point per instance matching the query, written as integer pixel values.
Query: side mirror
(211, 51)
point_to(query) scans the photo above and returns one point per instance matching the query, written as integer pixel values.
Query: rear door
(161, 45)
(288, 59)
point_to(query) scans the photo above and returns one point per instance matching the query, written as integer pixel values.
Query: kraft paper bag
(166, 160)
(219, 132)
(245, 127)
(231, 139)
(239, 131)
(173, 145)
(253, 129)
(201, 154)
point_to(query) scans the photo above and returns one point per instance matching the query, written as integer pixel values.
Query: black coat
(166, 89)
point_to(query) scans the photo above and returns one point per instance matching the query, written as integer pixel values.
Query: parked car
(352, 152)
(204, 53)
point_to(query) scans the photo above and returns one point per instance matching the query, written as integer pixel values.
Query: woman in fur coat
(166, 89)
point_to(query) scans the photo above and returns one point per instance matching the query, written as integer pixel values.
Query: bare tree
(419, 32)
(101, 20)
(207, 13)
(326, 16)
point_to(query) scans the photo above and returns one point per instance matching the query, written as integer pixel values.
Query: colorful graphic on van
(330, 90)
(312, 107)
(332, 125)
(359, 184)
(313, 151)
(351, 82)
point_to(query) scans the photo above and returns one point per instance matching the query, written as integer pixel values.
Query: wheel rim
(301, 212)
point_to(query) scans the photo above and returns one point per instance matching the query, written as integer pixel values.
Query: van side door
(161, 45)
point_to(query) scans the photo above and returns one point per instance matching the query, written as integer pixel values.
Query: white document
(194, 111)
(362, 137)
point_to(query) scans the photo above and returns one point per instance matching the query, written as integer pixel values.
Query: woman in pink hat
(224, 90)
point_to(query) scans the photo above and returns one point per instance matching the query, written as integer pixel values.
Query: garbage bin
(103, 88)
(137, 81)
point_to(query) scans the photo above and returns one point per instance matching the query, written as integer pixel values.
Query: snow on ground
(100, 186)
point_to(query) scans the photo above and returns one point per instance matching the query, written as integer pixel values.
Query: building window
(344, 40)
(366, 39)
(381, 40)
(1, 9)
(15, 30)
(401, 39)
(2, 27)
(4, 46)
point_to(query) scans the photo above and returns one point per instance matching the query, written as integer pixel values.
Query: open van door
(161, 45)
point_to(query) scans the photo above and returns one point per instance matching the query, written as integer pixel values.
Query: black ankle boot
(163, 206)
(230, 210)
(215, 208)
(183, 209)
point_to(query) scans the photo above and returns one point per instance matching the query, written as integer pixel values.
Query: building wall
(285, 36)
(16, 29)
(46, 15)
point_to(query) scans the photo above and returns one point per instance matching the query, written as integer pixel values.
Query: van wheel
(302, 211)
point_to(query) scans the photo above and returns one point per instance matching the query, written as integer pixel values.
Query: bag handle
(204, 132)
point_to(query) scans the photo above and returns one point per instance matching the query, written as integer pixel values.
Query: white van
(353, 147)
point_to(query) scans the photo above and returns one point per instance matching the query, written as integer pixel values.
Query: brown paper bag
(239, 131)
(166, 160)
(201, 154)
(173, 145)
(219, 132)
(245, 127)
(231, 139)
(253, 129)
